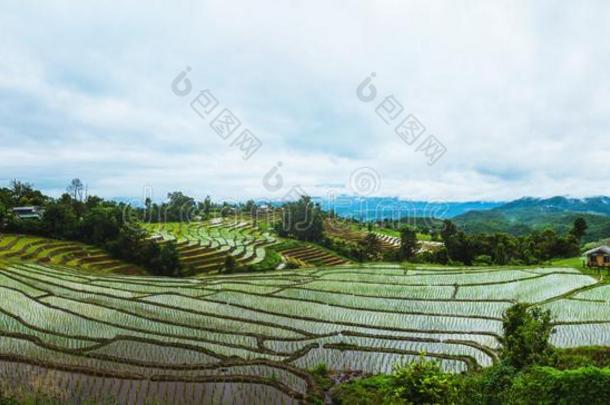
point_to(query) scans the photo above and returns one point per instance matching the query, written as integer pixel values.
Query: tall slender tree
(408, 243)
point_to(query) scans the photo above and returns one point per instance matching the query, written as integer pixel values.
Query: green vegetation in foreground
(530, 371)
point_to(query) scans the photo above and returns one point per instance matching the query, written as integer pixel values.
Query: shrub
(422, 382)
(546, 385)
(483, 260)
(365, 391)
(598, 356)
(320, 373)
(489, 387)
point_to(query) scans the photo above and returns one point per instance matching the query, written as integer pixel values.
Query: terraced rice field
(344, 232)
(250, 338)
(311, 255)
(203, 247)
(59, 252)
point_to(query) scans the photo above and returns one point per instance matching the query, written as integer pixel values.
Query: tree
(93, 201)
(207, 204)
(461, 247)
(302, 220)
(525, 341)
(99, 225)
(76, 189)
(580, 228)
(499, 254)
(59, 221)
(230, 264)
(448, 230)
(225, 210)
(179, 207)
(24, 194)
(250, 207)
(371, 247)
(167, 263)
(408, 244)
(2, 213)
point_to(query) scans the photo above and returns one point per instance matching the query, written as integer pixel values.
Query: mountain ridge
(524, 215)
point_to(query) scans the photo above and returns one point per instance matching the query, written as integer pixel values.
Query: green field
(68, 253)
(236, 338)
(204, 246)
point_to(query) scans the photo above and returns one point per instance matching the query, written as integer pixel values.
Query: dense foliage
(525, 341)
(408, 244)
(371, 248)
(89, 220)
(502, 249)
(354, 251)
(301, 220)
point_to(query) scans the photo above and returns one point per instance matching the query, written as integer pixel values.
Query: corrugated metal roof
(601, 249)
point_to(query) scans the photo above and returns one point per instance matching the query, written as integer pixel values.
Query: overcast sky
(517, 92)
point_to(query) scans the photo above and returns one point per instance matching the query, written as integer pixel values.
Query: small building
(598, 257)
(33, 212)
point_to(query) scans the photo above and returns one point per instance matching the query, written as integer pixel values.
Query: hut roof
(601, 249)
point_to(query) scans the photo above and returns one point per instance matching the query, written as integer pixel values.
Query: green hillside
(518, 220)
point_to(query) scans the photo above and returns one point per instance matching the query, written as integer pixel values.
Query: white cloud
(516, 91)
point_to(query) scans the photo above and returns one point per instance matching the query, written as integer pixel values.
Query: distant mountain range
(521, 216)
(517, 217)
(591, 205)
(359, 207)
(375, 208)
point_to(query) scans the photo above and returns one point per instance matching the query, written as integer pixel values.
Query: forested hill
(524, 215)
(591, 205)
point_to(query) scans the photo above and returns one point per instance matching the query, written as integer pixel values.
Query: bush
(502, 384)
(437, 256)
(365, 391)
(483, 260)
(546, 385)
(489, 387)
(598, 356)
(422, 382)
(321, 374)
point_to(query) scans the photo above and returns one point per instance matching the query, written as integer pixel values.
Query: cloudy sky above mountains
(517, 92)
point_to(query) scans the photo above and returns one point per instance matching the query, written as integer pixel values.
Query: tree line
(304, 220)
(88, 219)
(501, 248)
